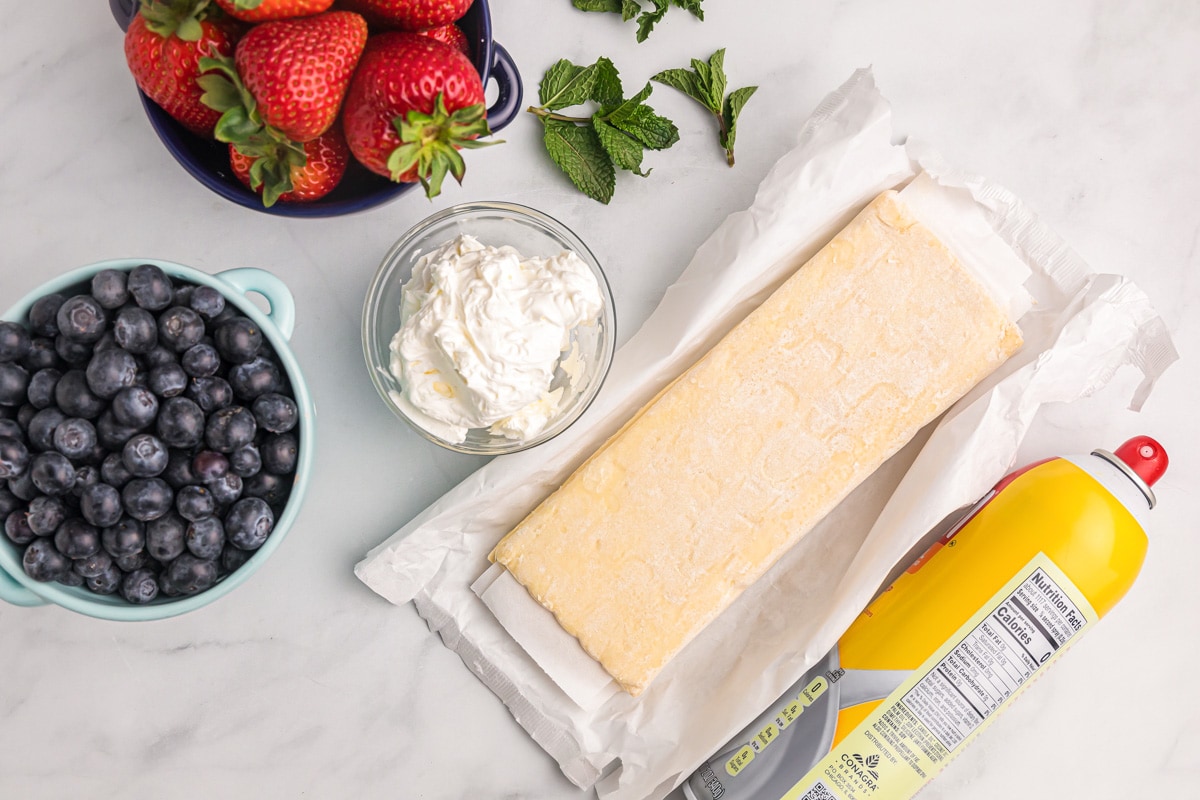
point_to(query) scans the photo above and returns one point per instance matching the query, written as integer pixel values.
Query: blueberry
(111, 371)
(209, 466)
(207, 302)
(24, 414)
(75, 438)
(147, 498)
(14, 341)
(180, 423)
(82, 319)
(140, 586)
(189, 575)
(14, 383)
(159, 355)
(233, 557)
(211, 394)
(107, 581)
(245, 461)
(230, 428)
(249, 522)
(87, 475)
(9, 502)
(125, 538)
(94, 565)
(43, 562)
(179, 471)
(75, 397)
(238, 340)
(135, 406)
(22, 486)
(275, 412)
(194, 502)
(42, 355)
(74, 353)
(46, 514)
(180, 328)
(133, 561)
(255, 378)
(108, 287)
(135, 330)
(201, 361)
(205, 537)
(113, 472)
(41, 387)
(168, 380)
(145, 456)
(106, 342)
(279, 453)
(52, 473)
(150, 287)
(225, 490)
(16, 527)
(75, 538)
(43, 315)
(14, 457)
(100, 505)
(70, 578)
(269, 486)
(12, 429)
(165, 537)
(111, 434)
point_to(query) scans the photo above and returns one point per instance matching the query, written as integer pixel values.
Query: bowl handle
(123, 11)
(279, 297)
(512, 92)
(15, 593)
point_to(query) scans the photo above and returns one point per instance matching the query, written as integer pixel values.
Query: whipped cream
(482, 332)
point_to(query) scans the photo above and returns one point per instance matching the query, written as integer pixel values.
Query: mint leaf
(648, 19)
(630, 9)
(578, 152)
(565, 84)
(606, 87)
(626, 107)
(653, 131)
(705, 83)
(597, 5)
(692, 6)
(625, 152)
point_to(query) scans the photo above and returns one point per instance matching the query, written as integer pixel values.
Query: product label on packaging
(911, 736)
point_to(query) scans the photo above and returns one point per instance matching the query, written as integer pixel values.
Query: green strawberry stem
(242, 126)
(179, 18)
(430, 143)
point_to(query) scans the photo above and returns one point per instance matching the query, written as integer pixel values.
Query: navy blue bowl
(208, 161)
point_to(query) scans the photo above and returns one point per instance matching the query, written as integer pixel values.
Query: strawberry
(163, 47)
(278, 174)
(412, 104)
(452, 35)
(409, 15)
(297, 70)
(263, 10)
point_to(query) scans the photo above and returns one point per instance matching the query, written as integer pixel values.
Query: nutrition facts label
(994, 659)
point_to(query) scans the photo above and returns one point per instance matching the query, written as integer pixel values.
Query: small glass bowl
(532, 233)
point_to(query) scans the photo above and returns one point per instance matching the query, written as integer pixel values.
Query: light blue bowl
(19, 589)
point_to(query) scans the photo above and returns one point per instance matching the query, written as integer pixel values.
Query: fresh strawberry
(263, 10)
(297, 70)
(279, 172)
(412, 104)
(452, 35)
(409, 15)
(163, 47)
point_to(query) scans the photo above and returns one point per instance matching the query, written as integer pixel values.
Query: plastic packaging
(931, 661)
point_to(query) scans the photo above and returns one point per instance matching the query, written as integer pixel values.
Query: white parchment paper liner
(1082, 328)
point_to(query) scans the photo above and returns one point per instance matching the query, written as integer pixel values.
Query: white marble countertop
(305, 683)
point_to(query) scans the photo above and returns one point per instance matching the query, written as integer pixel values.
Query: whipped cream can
(937, 655)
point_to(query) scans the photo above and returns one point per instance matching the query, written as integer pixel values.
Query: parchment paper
(1080, 330)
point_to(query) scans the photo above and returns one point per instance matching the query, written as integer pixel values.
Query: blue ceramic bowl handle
(123, 11)
(279, 297)
(15, 593)
(508, 80)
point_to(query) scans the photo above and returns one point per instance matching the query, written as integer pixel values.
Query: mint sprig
(705, 83)
(646, 18)
(590, 149)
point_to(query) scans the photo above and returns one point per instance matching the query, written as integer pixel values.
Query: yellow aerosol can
(932, 660)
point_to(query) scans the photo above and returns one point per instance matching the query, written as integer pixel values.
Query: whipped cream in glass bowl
(489, 328)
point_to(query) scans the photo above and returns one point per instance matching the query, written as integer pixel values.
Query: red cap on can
(1145, 457)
